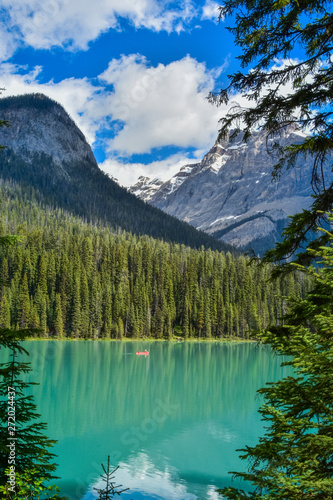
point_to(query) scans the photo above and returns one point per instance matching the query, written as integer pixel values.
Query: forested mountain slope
(46, 151)
(73, 279)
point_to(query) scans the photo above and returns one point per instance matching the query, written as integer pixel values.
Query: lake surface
(172, 421)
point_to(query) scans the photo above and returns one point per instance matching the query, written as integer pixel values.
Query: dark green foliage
(73, 279)
(25, 459)
(28, 460)
(34, 101)
(294, 459)
(268, 31)
(31, 446)
(94, 196)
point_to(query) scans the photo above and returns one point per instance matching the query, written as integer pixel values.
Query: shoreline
(151, 339)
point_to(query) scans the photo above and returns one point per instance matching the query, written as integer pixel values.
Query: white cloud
(161, 106)
(83, 101)
(148, 108)
(8, 43)
(210, 11)
(128, 173)
(72, 24)
(155, 106)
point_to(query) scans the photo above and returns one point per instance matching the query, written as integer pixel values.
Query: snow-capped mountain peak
(230, 193)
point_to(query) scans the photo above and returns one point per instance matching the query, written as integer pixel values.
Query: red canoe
(144, 353)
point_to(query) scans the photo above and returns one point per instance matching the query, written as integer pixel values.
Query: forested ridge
(77, 184)
(70, 278)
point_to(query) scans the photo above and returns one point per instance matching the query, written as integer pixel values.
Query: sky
(133, 75)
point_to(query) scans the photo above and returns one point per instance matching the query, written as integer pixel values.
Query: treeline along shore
(71, 279)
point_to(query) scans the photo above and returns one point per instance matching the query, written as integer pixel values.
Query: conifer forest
(71, 279)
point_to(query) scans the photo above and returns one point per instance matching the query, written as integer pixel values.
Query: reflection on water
(171, 420)
(157, 484)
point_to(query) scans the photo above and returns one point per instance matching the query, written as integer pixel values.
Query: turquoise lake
(171, 421)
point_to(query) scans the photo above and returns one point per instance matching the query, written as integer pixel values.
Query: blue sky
(134, 75)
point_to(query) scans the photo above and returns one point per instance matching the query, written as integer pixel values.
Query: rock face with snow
(230, 194)
(145, 188)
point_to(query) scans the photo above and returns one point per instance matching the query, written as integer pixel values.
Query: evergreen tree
(201, 319)
(137, 287)
(76, 308)
(4, 272)
(294, 459)
(42, 275)
(110, 489)
(4, 313)
(31, 446)
(272, 35)
(58, 321)
(107, 312)
(23, 438)
(220, 316)
(33, 465)
(95, 306)
(85, 303)
(43, 316)
(24, 307)
(186, 322)
(34, 318)
(120, 329)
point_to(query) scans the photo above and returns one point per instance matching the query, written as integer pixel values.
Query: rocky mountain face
(48, 156)
(145, 188)
(39, 125)
(230, 194)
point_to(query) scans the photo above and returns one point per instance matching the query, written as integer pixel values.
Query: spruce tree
(294, 459)
(85, 304)
(4, 313)
(31, 445)
(111, 489)
(23, 432)
(43, 316)
(4, 272)
(24, 305)
(58, 321)
(286, 67)
(138, 286)
(76, 308)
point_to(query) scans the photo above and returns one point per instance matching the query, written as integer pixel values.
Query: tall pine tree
(294, 459)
